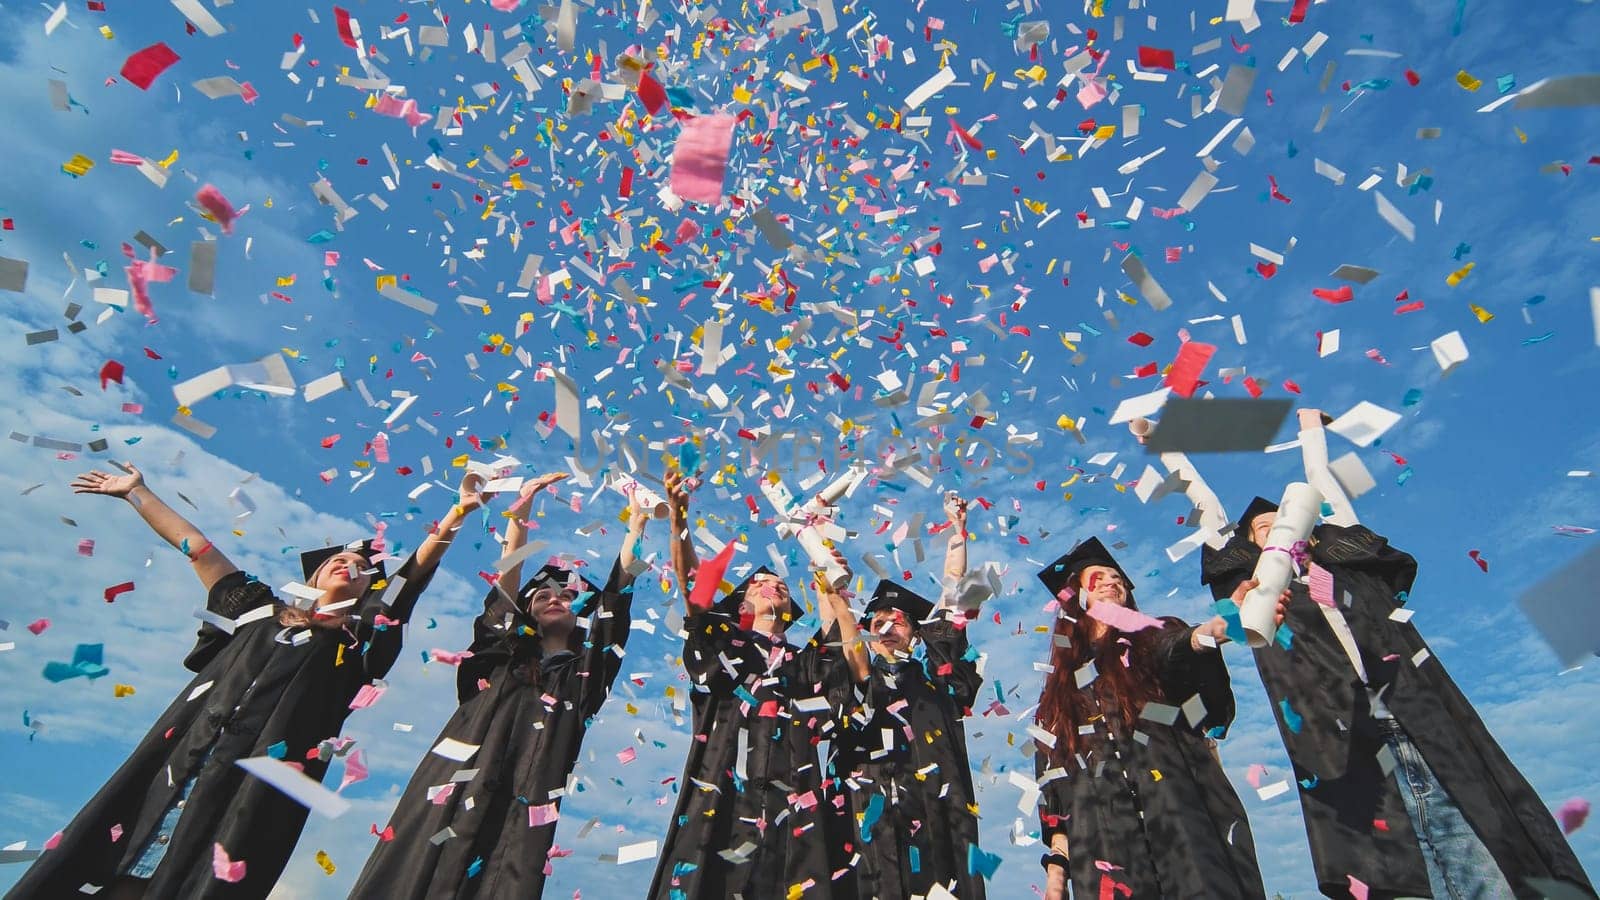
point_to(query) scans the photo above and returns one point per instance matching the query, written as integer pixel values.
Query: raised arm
(632, 543)
(955, 545)
(517, 529)
(469, 500)
(1314, 450)
(684, 560)
(833, 608)
(210, 565)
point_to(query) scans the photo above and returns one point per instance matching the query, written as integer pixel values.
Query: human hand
(98, 482)
(470, 492)
(1310, 419)
(955, 511)
(677, 493)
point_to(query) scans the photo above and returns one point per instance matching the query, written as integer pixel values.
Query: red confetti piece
(1145, 371)
(1478, 558)
(1412, 78)
(111, 371)
(1156, 58)
(1252, 387)
(651, 93)
(1191, 361)
(1290, 386)
(117, 590)
(1140, 339)
(709, 577)
(38, 626)
(626, 188)
(1266, 269)
(1298, 13)
(1409, 307)
(142, 67)
(341, 17)
(1341, 294)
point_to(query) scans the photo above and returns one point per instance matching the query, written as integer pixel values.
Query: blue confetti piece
(278, 750)
(981, 863)
(1461, 12)
(1229, 611)
(870, 818)
(915, 858)
(1290, 718)
(1405, 476)
(1535, 300)
(1412, 398)
(475, 867)
(1538, 339)
(1285, 637)
(1309, 783)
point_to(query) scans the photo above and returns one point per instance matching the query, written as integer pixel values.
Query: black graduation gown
(528, 740)
(754, 816)
(918, 782)
(1155, 803)
(1344, 791)
(254, 691)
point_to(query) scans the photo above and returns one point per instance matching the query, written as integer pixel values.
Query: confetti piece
(700, 158)
(226, 869)
(142, 68)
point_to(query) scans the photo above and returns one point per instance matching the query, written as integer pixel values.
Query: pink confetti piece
(543, 814)
(212, 201)
(1358, 888)
(54, 842)
(355, 769)
(700, 158)
(1256, 772)
(1122, 618)
(450, 657)
(1320, 582)
(1573, 814)
(86, 547)
(229, 870)
(116, 832)
(388, 105)
(628, 755)
(366, 696)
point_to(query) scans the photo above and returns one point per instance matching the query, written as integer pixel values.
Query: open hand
(677, 492)
(637, 515)
(471, 492)
(532, 488)
(98, 482)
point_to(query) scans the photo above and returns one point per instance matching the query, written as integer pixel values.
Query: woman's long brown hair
(1063, 707)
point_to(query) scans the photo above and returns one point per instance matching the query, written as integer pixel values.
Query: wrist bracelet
(1054, 859)
(194, 555)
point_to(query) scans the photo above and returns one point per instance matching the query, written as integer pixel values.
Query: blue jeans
(1459, 865)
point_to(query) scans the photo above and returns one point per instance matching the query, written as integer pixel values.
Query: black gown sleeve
(381, 642)
(230, 597)
(1185, 672)
(494, 634)
(610, 621)
(1054, 802)
(1359, 548)
(710, 637)
(949, 666)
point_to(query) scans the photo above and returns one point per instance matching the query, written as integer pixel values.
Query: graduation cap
(1222, 570)
(729, 604)
(1257, 506)
(1063, 572)
(894, 595)
(312, 560)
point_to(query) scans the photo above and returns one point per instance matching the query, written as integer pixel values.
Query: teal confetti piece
(1285, 637)
(981, 863)
(322, 237)
(278, 750)
(475, 867)
(1290, 718)
(1412, 398)
(1309, 783)
(1405, 476)
(1461, 12)
(1538, 339)
(1229, 611)
(1506, 83)
(870, 818)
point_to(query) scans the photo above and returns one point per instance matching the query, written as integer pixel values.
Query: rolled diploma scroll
(800, 524)
(1297, 514)
(650, 500)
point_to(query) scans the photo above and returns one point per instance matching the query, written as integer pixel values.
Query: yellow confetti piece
(122, 690)
(77, 165)
(172, 158)
(460, 462)
(387, 280)
(1467, 81)
(283, 280)
(1459, 275)
(105, 32)
(325, 861)
(1483, 314)
(1520, 135)
(338, 655)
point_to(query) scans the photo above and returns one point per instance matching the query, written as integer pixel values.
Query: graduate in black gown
(540, 668)
(1134, 803)
(754, 817)
(1402, 787)
(272, 679)
(903, 748)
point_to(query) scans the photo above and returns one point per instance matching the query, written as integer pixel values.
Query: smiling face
(1102, 584)
(551, 608)
(1260, 526)
(766, 600)
(343, 575)
(890, 633)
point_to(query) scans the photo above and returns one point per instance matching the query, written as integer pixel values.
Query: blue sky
(1487, 449)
